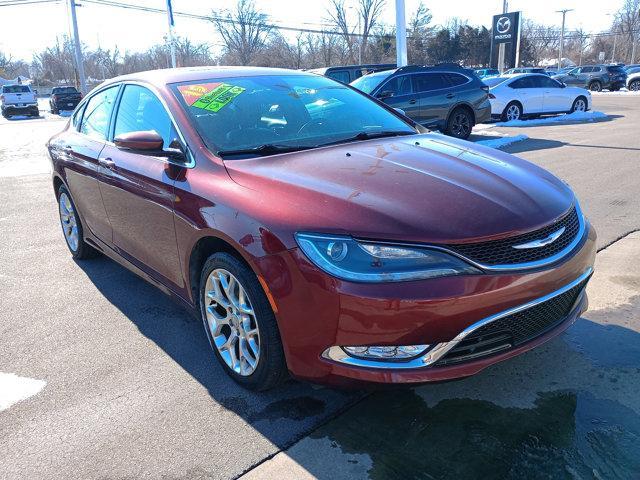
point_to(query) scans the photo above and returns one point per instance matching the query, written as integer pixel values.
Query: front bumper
(317, 312)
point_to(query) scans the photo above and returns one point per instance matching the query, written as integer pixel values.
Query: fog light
(386, 352)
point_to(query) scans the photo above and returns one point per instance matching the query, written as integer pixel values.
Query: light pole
(564, 14)
(401, 34)
(501, 47)
(78, 50)
(172, 45)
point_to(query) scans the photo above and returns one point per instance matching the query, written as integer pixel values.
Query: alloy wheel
(513, 112)
(69, 221)
(595, 87)
(232, 322)
(461, 125)
(635, 85)
(580, 105)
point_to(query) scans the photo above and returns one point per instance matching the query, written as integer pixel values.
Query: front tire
(72, 227)
(240, 324)
(513, 111)
(579, 105)
(459, 124)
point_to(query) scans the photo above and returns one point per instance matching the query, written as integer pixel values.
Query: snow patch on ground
(575, 117)
(501, 142)
(14, 389)
(622, 91)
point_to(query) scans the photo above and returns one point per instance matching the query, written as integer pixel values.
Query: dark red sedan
(318, 232)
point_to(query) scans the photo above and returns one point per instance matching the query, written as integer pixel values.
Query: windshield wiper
(263, 150)
(371, 135)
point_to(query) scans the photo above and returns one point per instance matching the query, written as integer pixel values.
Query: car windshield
(15, 89)
(369, 82)
(65, 90)
(270, 114)
(493, 81)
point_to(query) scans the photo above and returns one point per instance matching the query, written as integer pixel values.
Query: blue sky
(134, 31)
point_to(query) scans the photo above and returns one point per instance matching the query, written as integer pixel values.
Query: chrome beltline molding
(337, 354)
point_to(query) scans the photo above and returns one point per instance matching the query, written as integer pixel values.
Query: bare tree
(627, 22)
(338, 15)
(418, 35)
(244, 31)
(369, 12)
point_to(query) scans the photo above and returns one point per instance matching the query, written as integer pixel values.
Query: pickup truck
(18, 100)
(64, 98)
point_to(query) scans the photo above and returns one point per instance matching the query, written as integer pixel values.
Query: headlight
(360, 261)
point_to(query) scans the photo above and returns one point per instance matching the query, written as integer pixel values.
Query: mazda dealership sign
(505, 27)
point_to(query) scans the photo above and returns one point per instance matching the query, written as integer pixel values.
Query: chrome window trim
(439, 350)
(512, 266)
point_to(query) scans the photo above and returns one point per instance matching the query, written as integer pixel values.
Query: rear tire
(513, 111)
(460, 123)
(595, 86)
(634, 85)
(241, 327)
(72, 227)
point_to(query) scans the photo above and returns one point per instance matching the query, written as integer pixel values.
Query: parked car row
(595, 77)
(453, 99)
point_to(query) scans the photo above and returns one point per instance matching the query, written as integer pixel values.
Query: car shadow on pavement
(283, 415)
(567, 409)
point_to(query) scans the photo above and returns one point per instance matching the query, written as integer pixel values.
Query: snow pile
(622, 91)
(575, 117)
(501, 142)
(14, 389)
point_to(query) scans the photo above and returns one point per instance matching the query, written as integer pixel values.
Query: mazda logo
(503, 25)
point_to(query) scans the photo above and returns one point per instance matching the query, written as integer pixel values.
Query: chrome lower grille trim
(439, 350)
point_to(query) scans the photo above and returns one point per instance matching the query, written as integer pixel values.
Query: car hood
(421, 188)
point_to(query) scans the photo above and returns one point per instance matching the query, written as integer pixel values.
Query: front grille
(514, 330)
(501, 252)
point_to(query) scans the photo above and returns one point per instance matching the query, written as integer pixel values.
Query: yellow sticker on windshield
(218, 97)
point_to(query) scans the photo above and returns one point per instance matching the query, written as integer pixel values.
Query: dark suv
(595, 77)
(64, 98)
(449, 98)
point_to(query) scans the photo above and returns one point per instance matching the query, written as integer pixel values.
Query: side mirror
(142, 141)
(385, 94)
(400, 111)
(149, 142)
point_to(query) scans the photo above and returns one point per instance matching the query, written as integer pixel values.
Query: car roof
(189, 74)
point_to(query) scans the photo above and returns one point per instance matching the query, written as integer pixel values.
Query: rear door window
(524, 82)
(97, 113)
(427, 82)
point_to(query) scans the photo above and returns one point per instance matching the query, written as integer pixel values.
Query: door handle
(412, 101)
(106, 162)
(450, 95)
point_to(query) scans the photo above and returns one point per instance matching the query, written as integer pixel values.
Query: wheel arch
(202, 249)
(516, 101)
(465, 106)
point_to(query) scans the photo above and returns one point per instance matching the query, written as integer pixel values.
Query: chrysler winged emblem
(541, 242)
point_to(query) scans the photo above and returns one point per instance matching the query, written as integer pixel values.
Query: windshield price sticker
(218, 97)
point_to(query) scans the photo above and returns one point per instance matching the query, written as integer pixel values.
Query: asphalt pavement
(119, 382)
